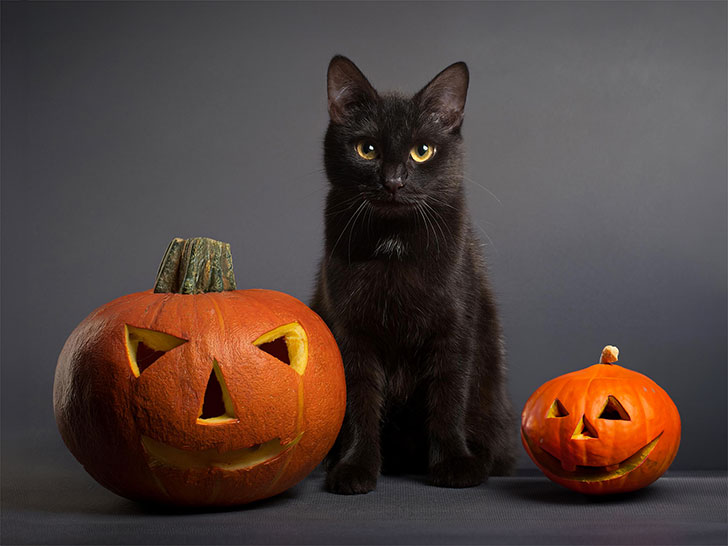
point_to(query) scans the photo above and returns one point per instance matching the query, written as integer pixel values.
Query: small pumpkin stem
(195, 266)
(609, 354)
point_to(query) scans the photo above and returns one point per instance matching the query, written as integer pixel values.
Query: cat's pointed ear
(444, 97)
(347, 89)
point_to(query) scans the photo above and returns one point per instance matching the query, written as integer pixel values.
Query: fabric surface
(49, 506)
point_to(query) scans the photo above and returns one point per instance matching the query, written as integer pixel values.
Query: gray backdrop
(596, 137)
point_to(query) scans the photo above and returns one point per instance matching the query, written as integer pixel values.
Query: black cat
(403, 288)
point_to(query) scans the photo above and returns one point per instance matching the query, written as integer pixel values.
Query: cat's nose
(394, 178)
(393, 185)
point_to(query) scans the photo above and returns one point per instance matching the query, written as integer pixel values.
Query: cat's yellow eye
(422, 152)
(367, 149)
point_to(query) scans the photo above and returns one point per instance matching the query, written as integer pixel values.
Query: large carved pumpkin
(196, 393)
(604, 429)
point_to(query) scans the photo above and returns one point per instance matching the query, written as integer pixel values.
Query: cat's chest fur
(400, 294)
(391, 247)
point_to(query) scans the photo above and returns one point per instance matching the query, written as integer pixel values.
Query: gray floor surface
(64, 506)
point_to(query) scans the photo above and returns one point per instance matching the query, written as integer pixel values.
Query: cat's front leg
(451, 462)
(358, 452)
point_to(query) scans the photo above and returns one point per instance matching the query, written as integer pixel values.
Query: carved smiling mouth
(237, 459)
(593, 473)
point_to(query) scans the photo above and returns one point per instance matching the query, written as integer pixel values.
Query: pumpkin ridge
(158, 308)
(218, 312)
(642, 405)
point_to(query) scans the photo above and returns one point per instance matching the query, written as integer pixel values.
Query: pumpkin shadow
(148, 508)
(547, 492)
(84, 496)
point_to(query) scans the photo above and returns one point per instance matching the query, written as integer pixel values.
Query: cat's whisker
(434, 211)
(430, 222)
(440, 202)
(438, 217)
(468, 179)
(361, 205)
(370, 214)
(435, 223)
(344, 206)
(424, 224)
(356, 216)
(481, 228)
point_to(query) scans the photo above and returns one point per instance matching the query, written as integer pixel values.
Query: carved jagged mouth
(238, 459)
(593, 473)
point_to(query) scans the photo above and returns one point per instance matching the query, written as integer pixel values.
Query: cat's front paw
(458, 472)
(349, 479)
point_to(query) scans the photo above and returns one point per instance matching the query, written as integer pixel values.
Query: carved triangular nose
(216, 405)
(584, 430)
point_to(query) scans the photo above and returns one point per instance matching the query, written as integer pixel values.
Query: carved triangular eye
(614, 410)
(557, 409)
(287, 343)
(278, 348)
(145, 347)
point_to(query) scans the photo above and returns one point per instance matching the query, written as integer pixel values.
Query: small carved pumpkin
(197, 393)
(604, 429)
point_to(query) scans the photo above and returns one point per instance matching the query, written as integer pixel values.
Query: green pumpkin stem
(195, 266)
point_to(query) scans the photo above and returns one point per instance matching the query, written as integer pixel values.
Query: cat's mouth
(392, 202)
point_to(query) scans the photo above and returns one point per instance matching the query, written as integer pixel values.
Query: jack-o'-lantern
(197, 393)
(604, 429)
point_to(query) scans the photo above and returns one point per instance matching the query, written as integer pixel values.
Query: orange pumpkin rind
(171, 396)
(604, 429)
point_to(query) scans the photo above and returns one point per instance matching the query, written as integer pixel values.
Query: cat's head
(395, 151)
